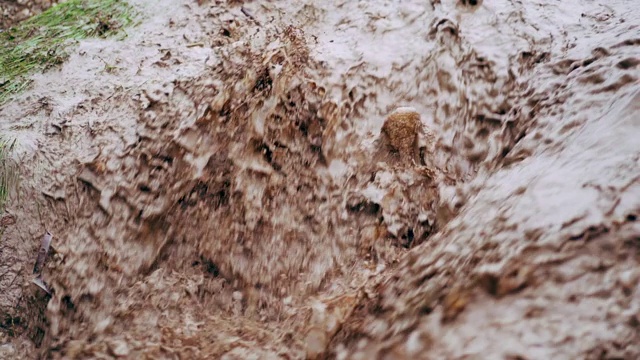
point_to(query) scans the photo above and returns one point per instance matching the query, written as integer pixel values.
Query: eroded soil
(235, 180)
(14, 11)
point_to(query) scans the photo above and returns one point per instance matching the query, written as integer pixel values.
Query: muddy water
(241, 185)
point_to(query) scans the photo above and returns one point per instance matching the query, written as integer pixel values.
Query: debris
(55, 195)
(167, 55)
(120, 348)
(402, 130)
(628, 280)
(315, 343)
(455, 302)
(499, 280)
(7, 220)
(326, 320)
(42, 253)
(41, 284)
(249, 15)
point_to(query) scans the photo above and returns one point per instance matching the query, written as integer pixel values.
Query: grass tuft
(8, 172)
(39, 43)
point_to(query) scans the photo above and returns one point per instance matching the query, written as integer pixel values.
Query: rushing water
(247, 198)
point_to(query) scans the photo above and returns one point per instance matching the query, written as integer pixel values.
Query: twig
(246, 12)
(42, 254)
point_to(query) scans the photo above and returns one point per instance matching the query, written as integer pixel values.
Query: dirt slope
(220, 185)
(14, 11)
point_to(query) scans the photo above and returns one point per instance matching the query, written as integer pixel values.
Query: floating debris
(7, 220)
(402, 128)
(42, 253)
(41, 284)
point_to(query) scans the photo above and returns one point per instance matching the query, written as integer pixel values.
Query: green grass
(39, 43)
(8, 172)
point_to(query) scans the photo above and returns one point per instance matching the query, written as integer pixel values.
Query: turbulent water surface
(339, 179)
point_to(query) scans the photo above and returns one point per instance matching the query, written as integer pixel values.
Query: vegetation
(8, 172)
(39, 43)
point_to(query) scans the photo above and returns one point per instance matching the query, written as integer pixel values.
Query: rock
(629, 279)
(7, 351)
(315, 343)
(120, 348)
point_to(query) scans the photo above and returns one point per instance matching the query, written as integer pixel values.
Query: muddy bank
(14, 11)
(241, 185)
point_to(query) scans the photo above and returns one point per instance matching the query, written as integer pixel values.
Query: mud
(338, 180)
(14, 11)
